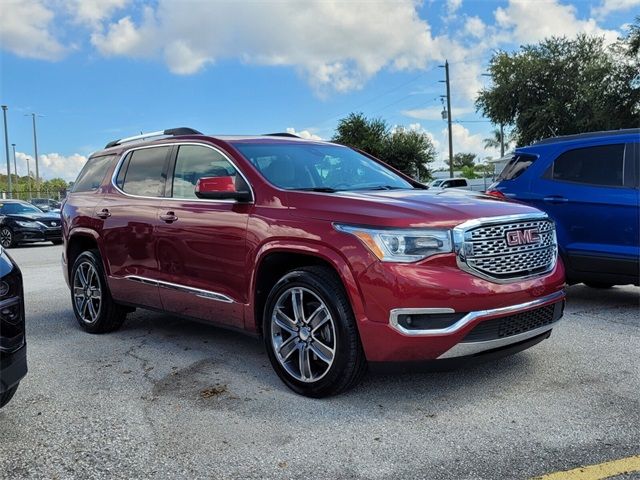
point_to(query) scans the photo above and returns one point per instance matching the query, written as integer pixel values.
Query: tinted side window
(599, 165)
(92, 174)
(145, 175)
(632, 165)
(194, 162)
(516, 166)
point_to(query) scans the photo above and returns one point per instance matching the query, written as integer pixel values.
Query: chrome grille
(483, 248)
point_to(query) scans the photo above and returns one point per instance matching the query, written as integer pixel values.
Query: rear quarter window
(92, 174)
(516, 166)
(598, 165)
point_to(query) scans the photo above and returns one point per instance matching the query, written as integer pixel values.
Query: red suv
(336, 259)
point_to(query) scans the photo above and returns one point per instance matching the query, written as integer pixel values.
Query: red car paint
(219, 247)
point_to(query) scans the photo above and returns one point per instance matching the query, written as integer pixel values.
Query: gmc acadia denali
(337, 260)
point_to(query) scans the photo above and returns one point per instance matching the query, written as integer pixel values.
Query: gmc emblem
(525, 236)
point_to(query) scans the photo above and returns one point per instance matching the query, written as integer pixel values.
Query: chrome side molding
(218, 297)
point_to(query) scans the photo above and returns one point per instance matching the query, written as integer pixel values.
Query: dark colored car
(13, 349)
(336, 259)
(590, 185)
(46, 204)
(21, 222)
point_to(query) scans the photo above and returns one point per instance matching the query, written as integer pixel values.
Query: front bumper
(31, 235)
(13, 368)
(462, 315)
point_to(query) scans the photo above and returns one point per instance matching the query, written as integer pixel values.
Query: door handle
(169, 217)
(555, 199)
(104, 213)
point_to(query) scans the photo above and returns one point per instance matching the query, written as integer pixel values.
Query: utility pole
(6, 149)
(446, 80)
(501, 139)
(35, 148)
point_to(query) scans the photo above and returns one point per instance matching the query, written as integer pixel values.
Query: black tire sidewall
(99, 324)
(324, 386)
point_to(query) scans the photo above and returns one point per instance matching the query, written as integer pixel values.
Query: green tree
(407, 150)
(468, 171)
(493, 141)
(632, 40)
(461, 160)
(562, 86)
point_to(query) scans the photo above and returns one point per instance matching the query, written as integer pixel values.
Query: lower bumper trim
(13, 368)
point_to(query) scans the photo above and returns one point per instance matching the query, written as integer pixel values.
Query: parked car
(450, 183)
(46, 204)
(13, 350)
(337, 260)
(589, 184)
(21, 222)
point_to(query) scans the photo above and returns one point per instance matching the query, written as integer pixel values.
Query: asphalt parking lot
(167, 398)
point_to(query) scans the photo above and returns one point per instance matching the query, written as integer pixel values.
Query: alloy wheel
(6, 237)
(303, 334)
(87, 293)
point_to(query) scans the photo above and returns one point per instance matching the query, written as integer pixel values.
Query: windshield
(13, 208)
(327, 168)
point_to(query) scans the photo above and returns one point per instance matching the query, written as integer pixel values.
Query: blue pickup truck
(589, 184)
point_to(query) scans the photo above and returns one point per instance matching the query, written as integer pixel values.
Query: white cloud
(453, 6)
(534, 21)
(52, 165)
(306, 134)
(475, 27)
(464, 141)
(609, 6)
(94, 11)
(335, 45)
(26, 30)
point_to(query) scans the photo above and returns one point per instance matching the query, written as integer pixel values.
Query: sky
(97, 70)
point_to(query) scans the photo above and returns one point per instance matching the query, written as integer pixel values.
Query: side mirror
(221, 188)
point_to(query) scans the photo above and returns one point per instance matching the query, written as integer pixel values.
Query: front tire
(7, 239)
(311, 335)
(93, 305)
(8, 395)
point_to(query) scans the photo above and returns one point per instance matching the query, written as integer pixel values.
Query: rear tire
(599, 285)
(310, 333)
(8, 395)
(93, 305)
(7, 239)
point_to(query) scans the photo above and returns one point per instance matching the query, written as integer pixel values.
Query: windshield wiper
(316, 189)
(385, 187)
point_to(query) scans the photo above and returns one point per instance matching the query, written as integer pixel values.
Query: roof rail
(580, 136)
(282, 134)
(169, 132)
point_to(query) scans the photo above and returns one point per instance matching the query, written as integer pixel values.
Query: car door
(592, 194)
(202, 248)
(129, 215)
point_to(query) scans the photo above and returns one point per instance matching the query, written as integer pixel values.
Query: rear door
(202, 248)
(129, 216)
(592, 194)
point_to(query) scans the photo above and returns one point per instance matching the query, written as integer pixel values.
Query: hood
(36, 217)
(402, 208)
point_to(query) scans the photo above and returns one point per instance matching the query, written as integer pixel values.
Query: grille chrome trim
(481, 248)
(468, 318)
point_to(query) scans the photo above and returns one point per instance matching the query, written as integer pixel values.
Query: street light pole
(35, 148)
(6, 148)
(15, 166)
(29, 178)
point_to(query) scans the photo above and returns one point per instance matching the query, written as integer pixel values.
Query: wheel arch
(80, 240)
(274, 260)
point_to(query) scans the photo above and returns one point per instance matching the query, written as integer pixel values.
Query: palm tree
(495, 140)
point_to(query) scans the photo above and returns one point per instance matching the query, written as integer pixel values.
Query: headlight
(407, 245)
(28, 224)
